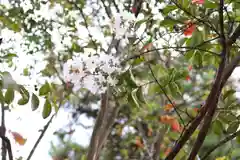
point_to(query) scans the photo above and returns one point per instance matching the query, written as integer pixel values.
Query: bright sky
(21, 119)
(28, 123)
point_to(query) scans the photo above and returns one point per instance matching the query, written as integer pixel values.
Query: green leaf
(129, 79)
(138, 61)
(9, 95)
(34, 102)
(15, 27)
(9, 56)
(208, 59)
(25, 96)
(174, 89)
(197, 59)
(138, 23)
(228, 93)
(230, 117)
(196, 38)
(210, 4)
(238, 139)
(83, 157)
(169, 8)
(188, 55)
(25, 72)
(181, 155)
(182, 41)
(235, 153)
(47, 109)
(211, 139)
(168, 23)
(132, 100)
(180, 75)
(173, 135)
(232, 127)
(1, 96)
(45, 89)
(140, 96)
(217, 127)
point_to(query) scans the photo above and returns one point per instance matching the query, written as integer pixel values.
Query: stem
(40, 137)
(3, 131)
(165, 93)
(222, 142)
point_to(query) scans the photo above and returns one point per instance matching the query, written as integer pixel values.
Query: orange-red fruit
(134, 9)
(167, 119)
(19, 138)
(190, 68)
(176, 126)
(168, 108)
(167, 151)
(150, 131)
(196, 109)
(198, 1)
(188, 78)
(139, 143)
(190, 27)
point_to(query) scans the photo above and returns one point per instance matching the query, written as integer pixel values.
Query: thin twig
(173, 47)
(164, 92)
(107, 10)
(85, 23)
(222, 142)
(40, 137)
(209, 24)
(157, 144)
(146, 146)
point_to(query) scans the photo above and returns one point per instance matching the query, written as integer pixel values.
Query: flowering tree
(159, 71)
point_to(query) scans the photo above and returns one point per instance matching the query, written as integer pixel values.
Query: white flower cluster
(123, 24)
(92, 72)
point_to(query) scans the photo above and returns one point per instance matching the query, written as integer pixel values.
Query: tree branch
(110, 120)
(157, 143)
(8, 147)
(213, 102)
(107, 9)
(104, 122)
(2, 132)
(177, 48)
(209, 107)
(222, 142)
(234, 36)
(93, 150)
(229, 69)
(40, 137)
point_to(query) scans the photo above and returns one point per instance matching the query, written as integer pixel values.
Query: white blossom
(92, 72)
(26, 5)
(122, 23)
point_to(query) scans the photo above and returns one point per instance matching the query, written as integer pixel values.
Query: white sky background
(22, 120)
